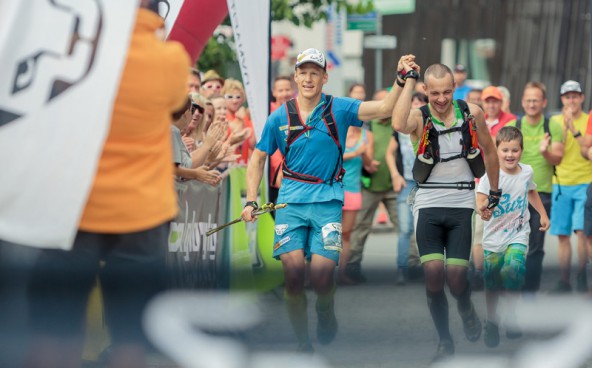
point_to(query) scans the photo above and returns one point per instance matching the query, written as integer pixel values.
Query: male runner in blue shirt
(310, 132)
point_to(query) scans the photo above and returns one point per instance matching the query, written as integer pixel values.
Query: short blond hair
(231, 85)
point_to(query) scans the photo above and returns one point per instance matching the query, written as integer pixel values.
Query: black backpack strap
(546, 126)
(519, 123)
(329, 119)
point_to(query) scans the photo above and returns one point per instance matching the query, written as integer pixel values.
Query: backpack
(296, 128)
(428, 152)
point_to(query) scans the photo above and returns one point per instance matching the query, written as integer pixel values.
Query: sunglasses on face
(194, 107)
(212, 86)
(233, 97)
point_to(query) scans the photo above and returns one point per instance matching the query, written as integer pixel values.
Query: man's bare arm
(254, 175)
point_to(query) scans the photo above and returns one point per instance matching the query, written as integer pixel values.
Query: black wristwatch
(413, 74)
(577, 134)
(252, 204)
(493, 198)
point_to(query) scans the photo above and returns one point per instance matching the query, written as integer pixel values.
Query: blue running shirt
(312, 153)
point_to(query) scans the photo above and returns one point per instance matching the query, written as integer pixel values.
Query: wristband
(578, 134)
(252, 204)
(399, 83)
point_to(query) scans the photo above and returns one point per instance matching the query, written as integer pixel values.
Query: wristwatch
(413, 74)
(252, 204)
(577, 134)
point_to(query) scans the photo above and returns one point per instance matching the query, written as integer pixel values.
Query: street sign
(382, 42)
(363, 22)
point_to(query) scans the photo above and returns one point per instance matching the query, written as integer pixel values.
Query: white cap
(311, 56)
(570, 86)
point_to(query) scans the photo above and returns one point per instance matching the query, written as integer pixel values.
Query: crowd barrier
(238, 257)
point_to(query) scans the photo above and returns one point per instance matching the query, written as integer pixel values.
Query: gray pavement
(382, 324)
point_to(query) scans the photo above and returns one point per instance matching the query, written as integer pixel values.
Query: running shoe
(561, 288)
(471, 324)
(445, 350)
(491, 335)
(327, 324)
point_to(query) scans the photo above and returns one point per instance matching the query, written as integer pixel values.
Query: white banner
(61, 63)
(250, 24)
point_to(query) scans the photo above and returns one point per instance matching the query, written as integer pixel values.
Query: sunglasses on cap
(233, 97)
(195, 106)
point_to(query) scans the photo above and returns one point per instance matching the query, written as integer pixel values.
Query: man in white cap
(310, 132)
(573, 175)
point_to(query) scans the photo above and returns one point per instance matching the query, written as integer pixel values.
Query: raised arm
(404, 120)
(254, 175)
(486, 144)
(370, 110)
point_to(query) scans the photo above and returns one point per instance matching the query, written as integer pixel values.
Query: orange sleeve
(589, 127)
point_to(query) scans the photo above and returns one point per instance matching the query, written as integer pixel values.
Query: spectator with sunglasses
(211, 84)
(238, 118)
(189, 165)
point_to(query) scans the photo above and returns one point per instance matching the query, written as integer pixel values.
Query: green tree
(219, 53)
(307, 12)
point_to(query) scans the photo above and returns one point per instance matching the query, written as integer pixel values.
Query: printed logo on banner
(45, 70)
(280, 229)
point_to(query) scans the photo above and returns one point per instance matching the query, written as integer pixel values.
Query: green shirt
(543, 170)
(381, 179)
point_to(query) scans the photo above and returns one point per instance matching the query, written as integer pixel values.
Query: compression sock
(438, 306)
(463, 301)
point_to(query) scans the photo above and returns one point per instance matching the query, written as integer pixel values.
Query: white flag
(61, 63)
(250, 24)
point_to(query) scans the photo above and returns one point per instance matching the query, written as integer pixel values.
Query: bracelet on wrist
(400, 83)
(577, 134)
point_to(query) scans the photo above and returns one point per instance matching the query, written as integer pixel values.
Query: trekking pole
(267, 207)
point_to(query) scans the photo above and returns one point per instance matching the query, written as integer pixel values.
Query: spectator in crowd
(586, 151)
(355, 146)
(238, 117)
(474, 97)
(420, 88)
(542, 150)
(125, 222)
(282, 91)
(309, 228)
(188, 165)
(211, 84)
(399, 158)
(506, 100)
(378, 189)
(573, 175)
(506, 232)
(357, 91)
(495, 119)
(444, 204)
(460, 76)
(193, 81)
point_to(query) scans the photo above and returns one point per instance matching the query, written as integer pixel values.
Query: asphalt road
(382, 324)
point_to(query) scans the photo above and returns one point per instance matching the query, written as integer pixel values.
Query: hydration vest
(296, 128)
(428, 152)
